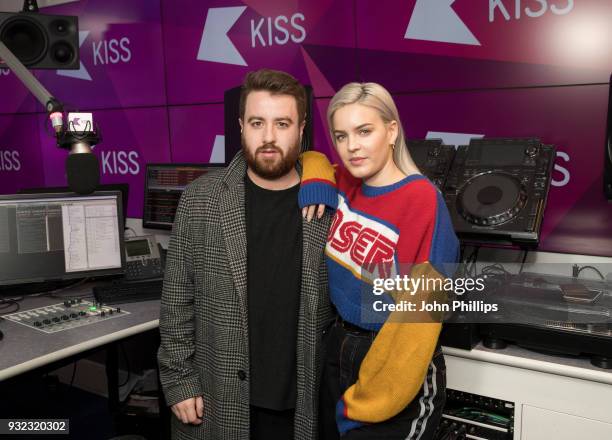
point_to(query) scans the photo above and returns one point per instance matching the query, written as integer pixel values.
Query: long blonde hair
(377, 97)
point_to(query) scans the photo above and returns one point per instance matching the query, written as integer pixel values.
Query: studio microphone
(82, 166)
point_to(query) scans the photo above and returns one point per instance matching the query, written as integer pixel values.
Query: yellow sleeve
(393, 370)
(318, 184)
(316, 166)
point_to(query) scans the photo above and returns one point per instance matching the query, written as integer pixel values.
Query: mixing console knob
(531, 151)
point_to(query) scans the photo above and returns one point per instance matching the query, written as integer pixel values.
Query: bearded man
(245, 299)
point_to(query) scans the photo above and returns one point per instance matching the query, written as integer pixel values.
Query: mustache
(270, 146)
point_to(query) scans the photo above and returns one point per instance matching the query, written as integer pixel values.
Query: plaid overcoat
(204, 323)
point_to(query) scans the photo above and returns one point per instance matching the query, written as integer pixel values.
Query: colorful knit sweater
(376, 231)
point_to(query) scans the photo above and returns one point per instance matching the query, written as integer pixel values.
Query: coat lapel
(314, 235)
(233, 224)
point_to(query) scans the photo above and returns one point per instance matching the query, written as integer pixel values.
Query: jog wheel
(491, 198)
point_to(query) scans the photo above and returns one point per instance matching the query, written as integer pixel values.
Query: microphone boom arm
(50, 103)
(82, 166)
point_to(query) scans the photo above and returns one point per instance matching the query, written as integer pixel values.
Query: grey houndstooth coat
(204, 323)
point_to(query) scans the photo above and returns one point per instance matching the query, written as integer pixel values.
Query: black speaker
(41, 41)
(608, 149)
(231, 101)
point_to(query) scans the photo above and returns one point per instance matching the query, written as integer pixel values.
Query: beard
(271, 168)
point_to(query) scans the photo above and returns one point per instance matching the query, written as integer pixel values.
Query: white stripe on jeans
(425, 407)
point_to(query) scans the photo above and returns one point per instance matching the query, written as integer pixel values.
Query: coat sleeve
(179, 378)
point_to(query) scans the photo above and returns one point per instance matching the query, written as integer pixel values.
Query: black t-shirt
(274, 252)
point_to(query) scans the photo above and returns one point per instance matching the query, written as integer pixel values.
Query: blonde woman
(381, 379)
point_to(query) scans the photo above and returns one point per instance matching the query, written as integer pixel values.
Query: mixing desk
(70, 314)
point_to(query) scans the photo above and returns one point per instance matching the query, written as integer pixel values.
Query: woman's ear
(392, 132)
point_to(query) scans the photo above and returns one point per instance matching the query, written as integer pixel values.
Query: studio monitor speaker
(41, 41)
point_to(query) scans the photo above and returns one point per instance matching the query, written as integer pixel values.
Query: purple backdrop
(195, 129)
(425, 45)
(14, 97)
(20, 156)
(156, 70)
(212, 47)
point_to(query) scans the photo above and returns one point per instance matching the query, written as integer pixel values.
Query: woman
(383, 373)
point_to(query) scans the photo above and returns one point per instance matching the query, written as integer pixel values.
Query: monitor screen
(123, 187)
(164, 184)
(46, 237)
(137, 248)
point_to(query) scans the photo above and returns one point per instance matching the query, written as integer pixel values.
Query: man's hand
(190, 410)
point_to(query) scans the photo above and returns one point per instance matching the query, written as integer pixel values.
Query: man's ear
(241, 125)
(302, 125)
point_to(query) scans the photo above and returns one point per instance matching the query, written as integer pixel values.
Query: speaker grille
(25, 38)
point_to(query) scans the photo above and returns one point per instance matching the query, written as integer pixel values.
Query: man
(245, 298)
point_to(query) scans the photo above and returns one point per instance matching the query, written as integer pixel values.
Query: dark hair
(277, 83)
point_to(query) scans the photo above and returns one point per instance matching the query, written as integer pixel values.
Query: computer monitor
(164, 184)
(123, 187)
(46, 237)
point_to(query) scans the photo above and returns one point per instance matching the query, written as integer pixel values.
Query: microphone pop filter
(83, 172)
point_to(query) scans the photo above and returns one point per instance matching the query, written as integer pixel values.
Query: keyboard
(128, 291)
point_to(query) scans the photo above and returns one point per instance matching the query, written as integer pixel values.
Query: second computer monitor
(164, 184)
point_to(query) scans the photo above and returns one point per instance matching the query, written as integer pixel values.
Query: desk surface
(515, 356)
(24, 348)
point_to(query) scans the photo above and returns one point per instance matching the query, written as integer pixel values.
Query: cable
(35, 289)
(53, 293)
(470, 269)
(127, 364)
(525, 252)
(73, 374)
(593, 269)
(127, 228)
(8, 302)
(495, 275)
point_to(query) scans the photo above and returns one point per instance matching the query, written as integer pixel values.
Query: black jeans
(345, 350)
